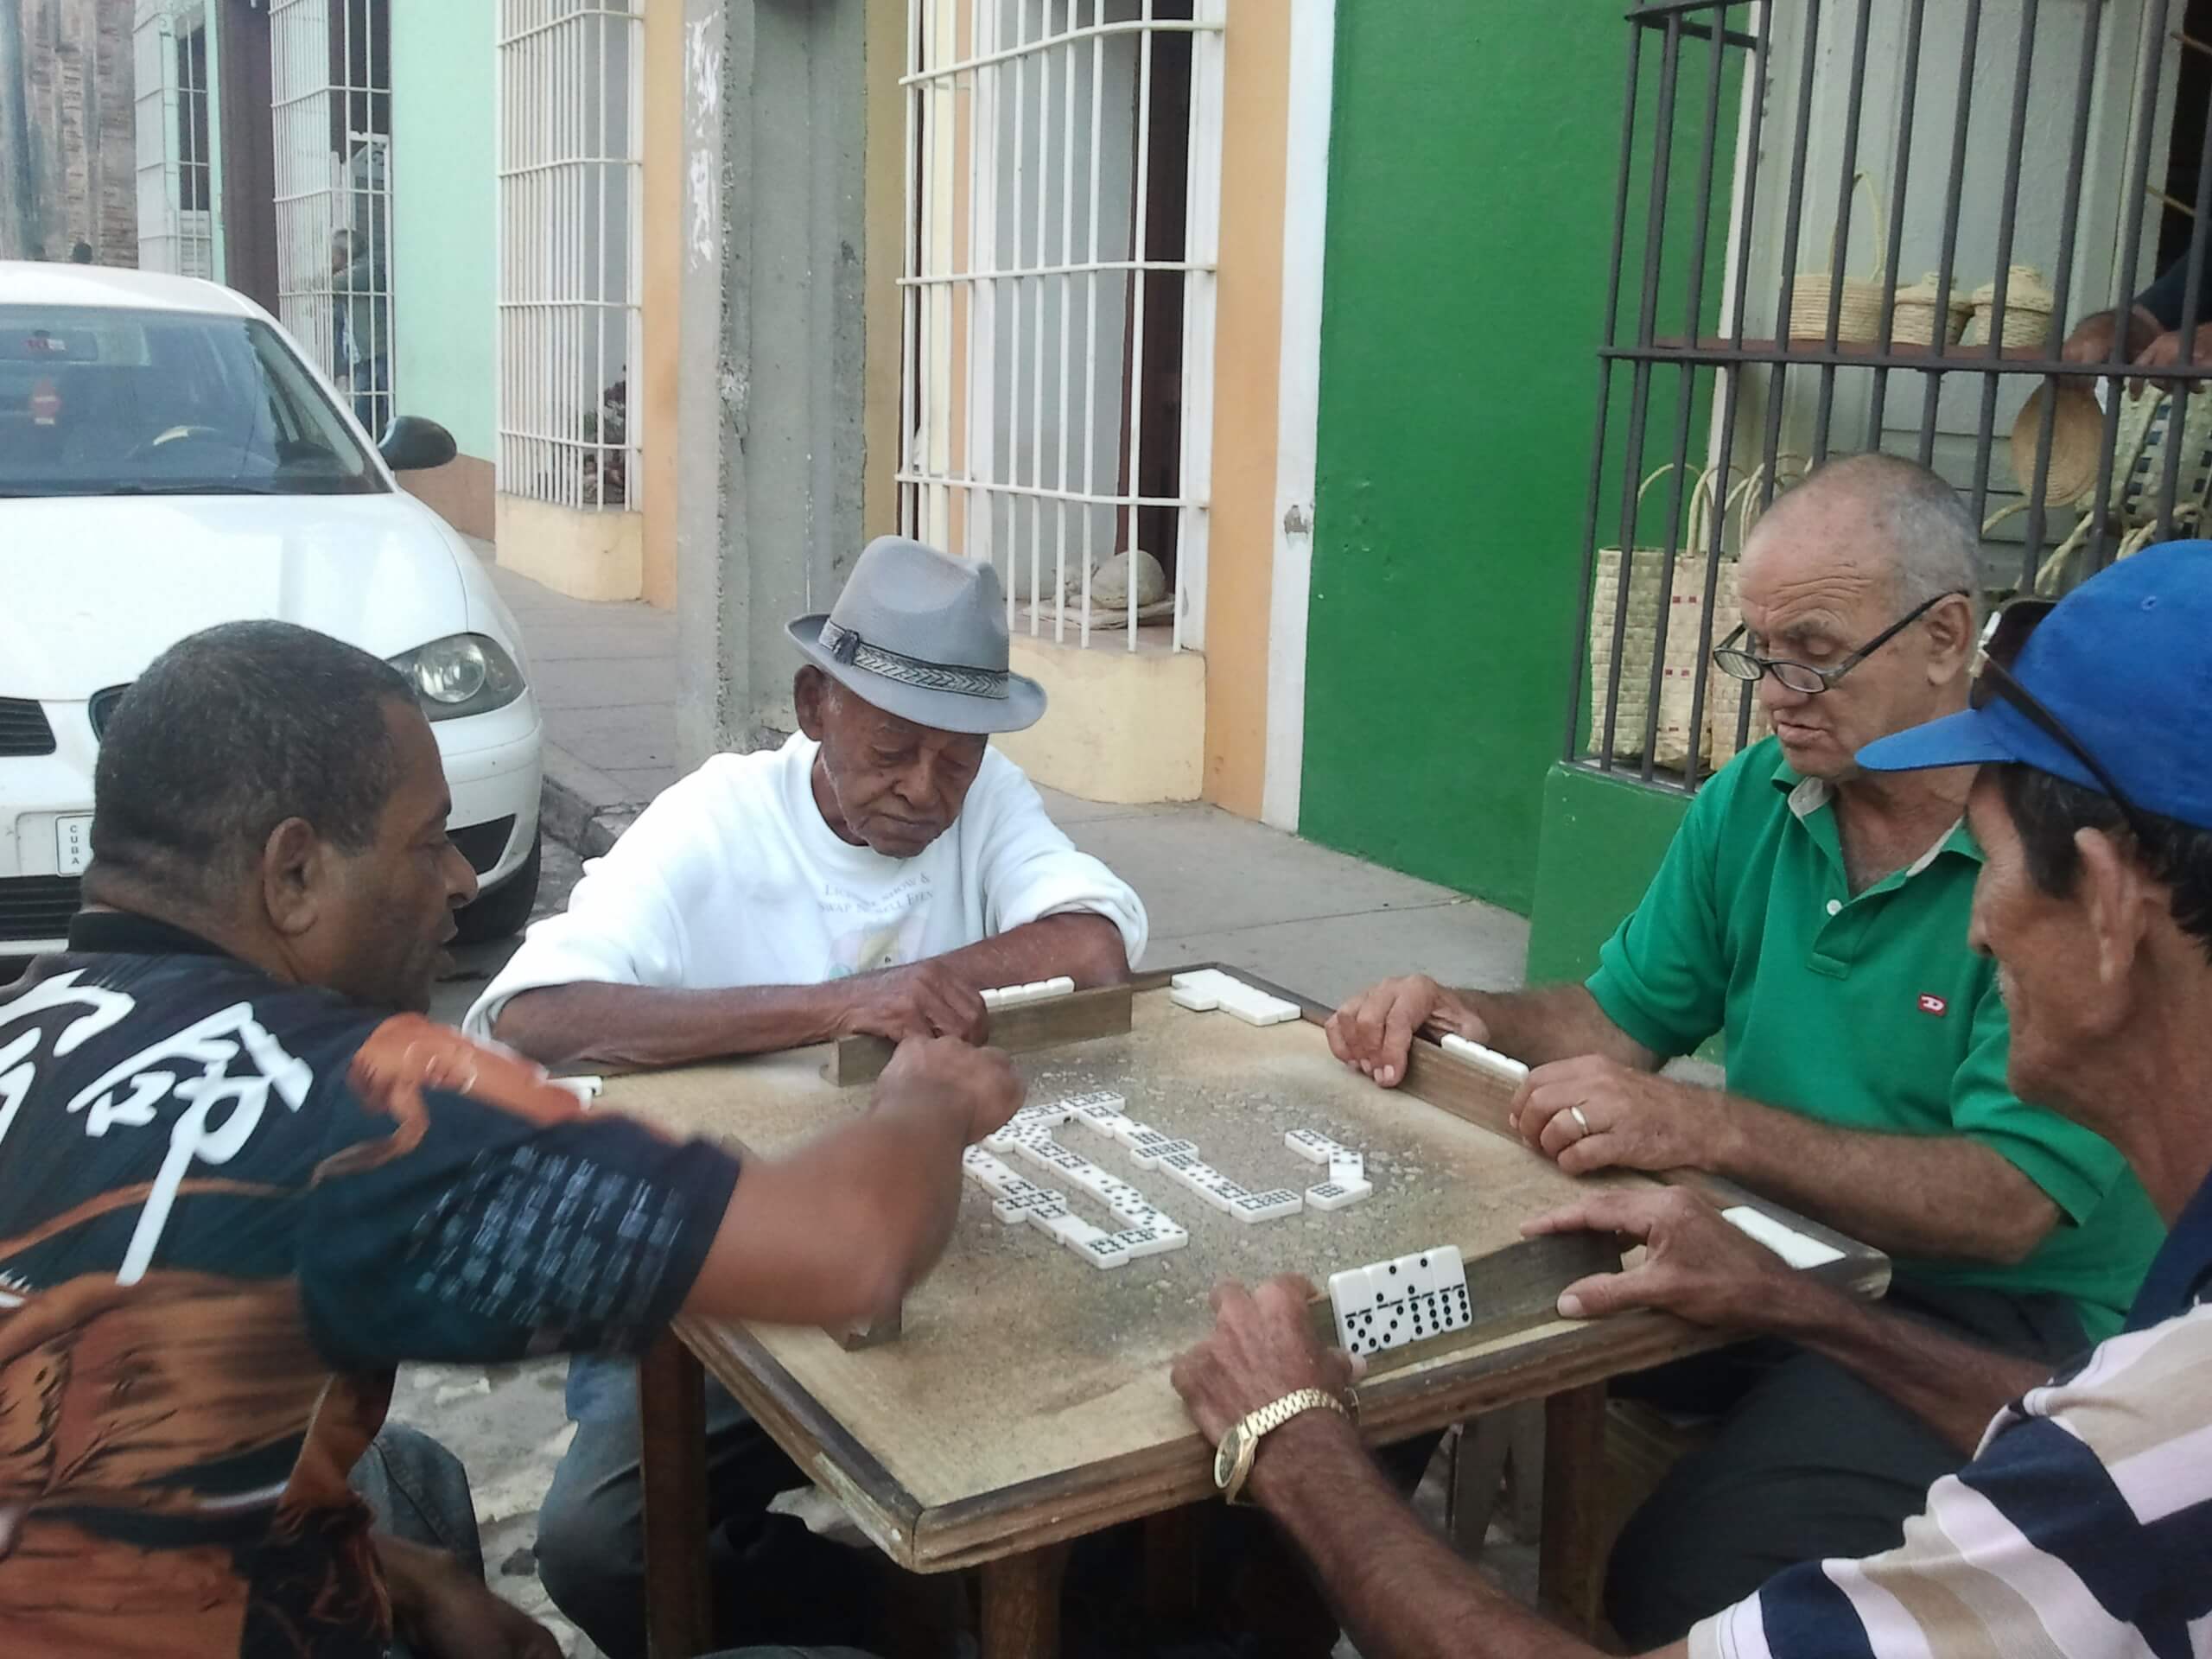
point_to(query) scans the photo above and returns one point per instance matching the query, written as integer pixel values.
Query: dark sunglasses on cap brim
(2000, 648)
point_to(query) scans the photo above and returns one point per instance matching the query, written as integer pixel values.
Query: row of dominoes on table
(1144, 1229)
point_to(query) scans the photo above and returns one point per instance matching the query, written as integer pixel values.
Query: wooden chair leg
(672, 1428)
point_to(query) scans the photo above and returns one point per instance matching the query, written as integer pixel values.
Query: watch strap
(1273, 1416)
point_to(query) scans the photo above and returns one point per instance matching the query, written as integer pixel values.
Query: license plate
(72, 844)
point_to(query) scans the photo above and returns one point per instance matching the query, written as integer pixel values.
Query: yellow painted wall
(1123, 726)
(654, 399)
(585, 553)
(1247, 356)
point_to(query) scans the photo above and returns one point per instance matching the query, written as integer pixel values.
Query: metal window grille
(330, 98)
(1754, 324)
(175, 160)
(1062, 219)
(571, 248)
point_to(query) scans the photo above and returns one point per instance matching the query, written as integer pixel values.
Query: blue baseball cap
(2124, 662)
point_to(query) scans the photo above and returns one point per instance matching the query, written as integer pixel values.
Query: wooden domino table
(1027, 1401)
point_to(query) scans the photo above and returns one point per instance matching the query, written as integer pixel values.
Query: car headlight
(460, 674)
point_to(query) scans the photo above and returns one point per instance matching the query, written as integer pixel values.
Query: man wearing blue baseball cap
(2081, 1522)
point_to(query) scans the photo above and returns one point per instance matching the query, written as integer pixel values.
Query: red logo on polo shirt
(1935, 1005)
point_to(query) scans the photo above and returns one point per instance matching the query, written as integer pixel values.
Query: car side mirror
(413, 444)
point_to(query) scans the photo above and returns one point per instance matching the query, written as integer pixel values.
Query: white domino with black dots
(1347, 1183)
(1389, 1304)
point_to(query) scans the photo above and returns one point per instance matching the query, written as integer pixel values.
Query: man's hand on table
(979, 1085)
(923, 999)
(1374, 1031)
(1592, 1113)
(1262, 1348)
(1695, 1264)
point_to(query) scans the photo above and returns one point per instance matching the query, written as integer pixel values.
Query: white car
(169, 460)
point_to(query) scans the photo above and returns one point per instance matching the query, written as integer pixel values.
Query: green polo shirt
(1868, 1013)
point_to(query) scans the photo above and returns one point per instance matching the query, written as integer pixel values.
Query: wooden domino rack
(1025, 1401)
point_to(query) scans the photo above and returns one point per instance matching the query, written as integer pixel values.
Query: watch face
(1225, 1457)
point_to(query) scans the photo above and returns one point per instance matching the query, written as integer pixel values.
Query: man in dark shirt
(243, 1176)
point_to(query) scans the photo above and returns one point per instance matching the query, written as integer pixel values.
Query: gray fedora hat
(922, 635)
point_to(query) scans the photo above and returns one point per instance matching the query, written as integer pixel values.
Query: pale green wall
(444, 207)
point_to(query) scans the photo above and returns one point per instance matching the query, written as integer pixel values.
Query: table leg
(1571, 1571)
(672, 1427)
(1021, 1604)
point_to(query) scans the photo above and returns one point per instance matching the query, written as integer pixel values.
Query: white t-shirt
(732, 878)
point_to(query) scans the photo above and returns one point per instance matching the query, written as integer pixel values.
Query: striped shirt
(2082, 1529)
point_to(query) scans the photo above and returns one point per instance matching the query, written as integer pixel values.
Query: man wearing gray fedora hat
(876, 873)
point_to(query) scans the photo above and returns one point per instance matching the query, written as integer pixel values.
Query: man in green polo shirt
(1816, 915)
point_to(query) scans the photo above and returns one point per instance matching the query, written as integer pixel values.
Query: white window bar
(1032, 131)
(571, 248)
(174, 148)
(330, 98)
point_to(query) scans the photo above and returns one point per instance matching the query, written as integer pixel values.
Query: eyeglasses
(1803, 676)
(2007, 634)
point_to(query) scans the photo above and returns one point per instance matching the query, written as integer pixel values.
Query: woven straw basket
(1859, 317)
(1919, 309)
(1680, 673)
(2077, 439)
(2028, 306)
(2146, 438)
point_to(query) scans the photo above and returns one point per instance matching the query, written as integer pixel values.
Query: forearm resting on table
(647, 1025)
(652, 1025)
(1081, 945)
(1941, 1196)
(1956, 1387)
(1401, 1591)
(838, 1231)
(1554, 1022)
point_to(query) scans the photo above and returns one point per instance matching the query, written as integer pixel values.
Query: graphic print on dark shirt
(228, 1207)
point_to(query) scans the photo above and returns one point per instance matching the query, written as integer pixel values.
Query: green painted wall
(1602, 841)
(444, 211)
(1474, 151)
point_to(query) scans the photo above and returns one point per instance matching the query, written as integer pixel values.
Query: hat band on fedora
(847, 646)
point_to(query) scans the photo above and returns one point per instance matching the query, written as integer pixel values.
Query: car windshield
(101, 401)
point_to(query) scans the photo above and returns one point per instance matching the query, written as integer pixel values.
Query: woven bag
(1683, 600)
(1859, 320)
(2028, 306)
(1921, 306)
(2145, 439)
(1725, 695)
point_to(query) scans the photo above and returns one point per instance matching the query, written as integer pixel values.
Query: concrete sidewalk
(1217, 888)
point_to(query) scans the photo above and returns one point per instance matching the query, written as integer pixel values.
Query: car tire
(503, 911)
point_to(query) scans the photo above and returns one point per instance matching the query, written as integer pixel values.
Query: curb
(581, 807)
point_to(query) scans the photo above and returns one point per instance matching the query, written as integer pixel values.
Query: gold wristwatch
(1232, 1458)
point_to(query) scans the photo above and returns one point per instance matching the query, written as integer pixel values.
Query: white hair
(1934, 546)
